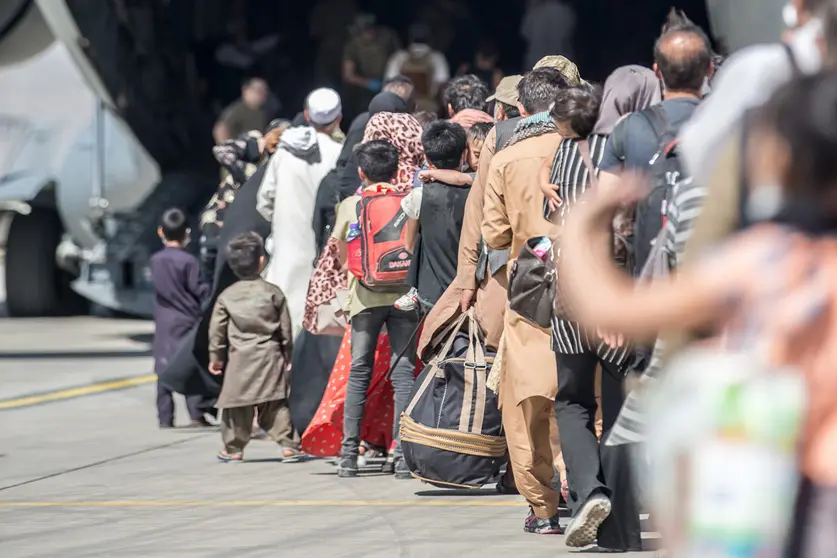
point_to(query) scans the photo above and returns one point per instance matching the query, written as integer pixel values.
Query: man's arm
(411, 229)
(218, 343)
(266, 196)
(469, 239)
(221, 132)
(496, 226)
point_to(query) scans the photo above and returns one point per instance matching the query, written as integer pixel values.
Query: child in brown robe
(250, 342)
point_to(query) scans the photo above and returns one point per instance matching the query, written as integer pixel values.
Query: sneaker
(388, 468)
(540, 526)
(583, 529)
(407, 301)
(402, 472)
(347, 467)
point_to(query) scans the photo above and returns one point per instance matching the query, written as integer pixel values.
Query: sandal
(225, 457)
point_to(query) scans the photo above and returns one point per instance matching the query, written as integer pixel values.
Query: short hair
(579, 107)
(479, 131)
(174, 225)
(401, 86)
(684, 69)
(378, 159)
(244, 255)
(511, 111)
(444, 143)
(538, 88)
(425, 118)
(466, 92)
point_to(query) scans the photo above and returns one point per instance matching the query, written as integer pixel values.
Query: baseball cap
(324, 106)
(563, 65)
(506, 90)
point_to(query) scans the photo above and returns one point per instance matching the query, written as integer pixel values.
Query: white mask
(790, 16)
(764, 202)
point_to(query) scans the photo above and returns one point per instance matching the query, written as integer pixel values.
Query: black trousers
(594, 468)
(165, 405)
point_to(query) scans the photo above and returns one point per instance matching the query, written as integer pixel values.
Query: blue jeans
(366, 327)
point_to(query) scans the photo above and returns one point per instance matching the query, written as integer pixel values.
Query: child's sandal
(225, 457)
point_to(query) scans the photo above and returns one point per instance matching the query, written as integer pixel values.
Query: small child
(175, 274)
(436, 211)
(475, 137)
(251, 342)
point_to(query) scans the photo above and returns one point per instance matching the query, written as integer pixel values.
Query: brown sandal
(225, 457)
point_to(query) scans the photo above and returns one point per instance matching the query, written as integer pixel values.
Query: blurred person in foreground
(768, 294)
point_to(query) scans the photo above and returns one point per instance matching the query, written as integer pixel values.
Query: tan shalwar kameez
(513, 213)
(250, 331)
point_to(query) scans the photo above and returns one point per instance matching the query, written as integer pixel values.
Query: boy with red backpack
(370, 231)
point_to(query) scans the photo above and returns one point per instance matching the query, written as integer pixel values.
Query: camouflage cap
(563, 65)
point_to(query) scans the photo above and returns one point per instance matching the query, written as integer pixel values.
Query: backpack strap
(658, 119)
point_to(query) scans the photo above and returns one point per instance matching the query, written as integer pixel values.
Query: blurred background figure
(485, 65)
(245, 114)
(365, 62)
(548, 27)
(427, 68)
(330, 21)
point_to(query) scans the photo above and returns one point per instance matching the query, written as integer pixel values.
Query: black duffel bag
(452, 430)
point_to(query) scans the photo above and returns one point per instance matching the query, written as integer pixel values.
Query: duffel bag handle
(475, 373)
(450, 333)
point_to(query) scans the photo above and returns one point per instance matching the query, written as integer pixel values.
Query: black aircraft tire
(33, 279)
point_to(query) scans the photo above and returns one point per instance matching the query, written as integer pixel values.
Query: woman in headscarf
(585, 118)
(324, 435)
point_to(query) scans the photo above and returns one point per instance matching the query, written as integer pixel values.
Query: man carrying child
(251, 342)
(369, 311)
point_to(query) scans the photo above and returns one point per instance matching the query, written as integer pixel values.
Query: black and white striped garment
(687, 201)
(571, 175)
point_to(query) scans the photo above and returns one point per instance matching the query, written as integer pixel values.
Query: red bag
(382, 262)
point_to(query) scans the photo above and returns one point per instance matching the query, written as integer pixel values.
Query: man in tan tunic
(513, 213)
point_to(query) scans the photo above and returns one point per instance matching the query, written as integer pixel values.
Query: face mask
(790, 16)
(764, 203)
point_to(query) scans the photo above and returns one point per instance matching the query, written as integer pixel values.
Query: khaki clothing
(513, 213)
(528, 426)
(240, 119)
(371, 56)
(250, 331)
(274, 417)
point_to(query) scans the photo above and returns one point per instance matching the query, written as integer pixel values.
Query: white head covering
(324, 106)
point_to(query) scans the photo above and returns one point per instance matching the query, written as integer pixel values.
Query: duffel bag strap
(474, 371)
(434, 367)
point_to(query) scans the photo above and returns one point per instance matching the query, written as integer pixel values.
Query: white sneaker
(583, 529)
(407, 301)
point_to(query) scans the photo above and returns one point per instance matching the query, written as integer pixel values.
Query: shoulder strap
(657, 117)
(795, 70)
(584, 149)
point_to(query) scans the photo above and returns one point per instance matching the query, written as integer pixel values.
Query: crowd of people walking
(609, 242)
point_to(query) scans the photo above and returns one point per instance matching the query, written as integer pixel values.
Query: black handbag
(532, 285)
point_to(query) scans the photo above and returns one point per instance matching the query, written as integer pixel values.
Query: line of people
(556, 178)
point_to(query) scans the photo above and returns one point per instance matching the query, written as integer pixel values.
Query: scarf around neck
(532, 127)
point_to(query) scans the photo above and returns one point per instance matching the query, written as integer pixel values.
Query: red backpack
(378, 257)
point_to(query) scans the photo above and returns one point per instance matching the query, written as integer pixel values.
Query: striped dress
(573, 178)
(687, 201)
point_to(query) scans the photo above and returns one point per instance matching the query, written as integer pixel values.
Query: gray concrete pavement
(93, 476)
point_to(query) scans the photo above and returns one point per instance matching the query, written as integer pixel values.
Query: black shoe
(539, 526)
(347, 467)
(503, 488)
(402, 472)
(388, 467)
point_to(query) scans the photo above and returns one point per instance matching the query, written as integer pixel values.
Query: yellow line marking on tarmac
(275, 503)
(77, 391)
